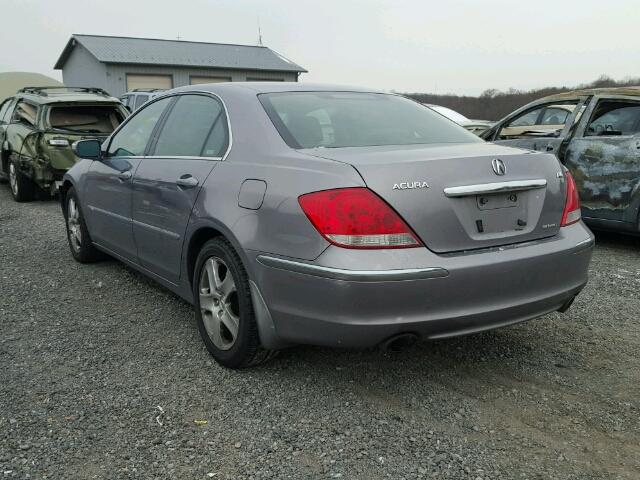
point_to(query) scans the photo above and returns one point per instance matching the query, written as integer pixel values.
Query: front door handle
(126, 175)
(187, 181)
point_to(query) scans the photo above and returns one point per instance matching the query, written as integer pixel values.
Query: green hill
(10, 82)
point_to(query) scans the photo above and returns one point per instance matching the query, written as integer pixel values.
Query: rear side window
(614, 118)
(357, 119)
(85, 118)
(196, 127)
(132, 139)
(141, 100)
(25, 113)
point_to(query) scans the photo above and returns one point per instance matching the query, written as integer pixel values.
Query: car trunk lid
(453, 199)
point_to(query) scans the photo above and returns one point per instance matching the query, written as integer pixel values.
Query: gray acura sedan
(299, 213)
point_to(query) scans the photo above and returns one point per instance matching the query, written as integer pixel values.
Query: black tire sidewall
(26, 188)
(244, 348)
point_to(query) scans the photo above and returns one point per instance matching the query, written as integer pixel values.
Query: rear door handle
(126, 175)
(549, 148)
(187, 181)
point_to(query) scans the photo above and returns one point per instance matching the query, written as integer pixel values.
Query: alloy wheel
(219, 303)
(73, 224)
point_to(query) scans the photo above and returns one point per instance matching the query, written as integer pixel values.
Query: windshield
(85, 118)
(347, 119)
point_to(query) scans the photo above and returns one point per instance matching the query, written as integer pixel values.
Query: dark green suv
(38, 126)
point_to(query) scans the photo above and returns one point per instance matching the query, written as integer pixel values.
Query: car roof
(627, 91)
(254, 88)
(47, 95)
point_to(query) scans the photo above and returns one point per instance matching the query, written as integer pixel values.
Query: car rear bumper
(360, 298)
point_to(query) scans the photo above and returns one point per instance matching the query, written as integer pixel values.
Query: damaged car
(595, 133)
(37, 128)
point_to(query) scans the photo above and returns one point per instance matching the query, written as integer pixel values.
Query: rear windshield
(85, 118)
(347, 119)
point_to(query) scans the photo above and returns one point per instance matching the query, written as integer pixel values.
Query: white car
(474, 126)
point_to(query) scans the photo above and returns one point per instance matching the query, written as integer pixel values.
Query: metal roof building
(120, 64)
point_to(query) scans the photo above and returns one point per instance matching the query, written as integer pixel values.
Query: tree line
(494, 104)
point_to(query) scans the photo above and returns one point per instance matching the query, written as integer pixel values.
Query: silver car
(308, 214)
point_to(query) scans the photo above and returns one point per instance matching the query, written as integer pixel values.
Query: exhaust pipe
(399, 342)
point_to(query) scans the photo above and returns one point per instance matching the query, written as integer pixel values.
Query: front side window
(85, 118)
(526, 119)
(132, 139)
(614, 118)
(196, 127)
(555, 116)
(355, 119)
(4, 107)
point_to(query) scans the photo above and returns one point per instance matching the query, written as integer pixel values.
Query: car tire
(223, 307)
(22, 188)
(80, 242)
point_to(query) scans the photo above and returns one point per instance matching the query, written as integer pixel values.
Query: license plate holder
(494, 201)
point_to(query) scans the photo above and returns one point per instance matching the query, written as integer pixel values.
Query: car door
(604, 158)
(187, 146)
(535, 128)
(108, 183)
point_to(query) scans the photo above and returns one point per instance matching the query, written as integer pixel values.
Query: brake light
(571, 213)
(357, 218)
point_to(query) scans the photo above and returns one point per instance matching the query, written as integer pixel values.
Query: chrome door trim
(353, 275)
(106, 212)
(494, 187)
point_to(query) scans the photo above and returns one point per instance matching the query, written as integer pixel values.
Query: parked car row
(298, 213)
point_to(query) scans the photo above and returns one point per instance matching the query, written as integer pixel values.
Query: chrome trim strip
(353, 275)
(184, 157)
(110, 214)
(168, 233)
(496, 187)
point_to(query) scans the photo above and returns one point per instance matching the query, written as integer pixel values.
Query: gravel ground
(104, 376)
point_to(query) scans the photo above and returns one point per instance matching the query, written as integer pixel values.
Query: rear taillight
(571, 213)
(357, 218)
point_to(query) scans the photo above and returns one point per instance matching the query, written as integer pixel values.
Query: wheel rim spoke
(227, 287)
(73, 219)
(231, 322)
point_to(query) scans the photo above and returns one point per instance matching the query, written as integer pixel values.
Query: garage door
(148, 81)
(201, 80)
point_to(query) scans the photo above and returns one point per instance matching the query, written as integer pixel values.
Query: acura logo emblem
(498, 166)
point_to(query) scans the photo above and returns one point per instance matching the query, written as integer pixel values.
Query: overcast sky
(444, 46)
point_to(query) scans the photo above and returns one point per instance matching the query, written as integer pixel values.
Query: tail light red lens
(357, 218)
(571, 213)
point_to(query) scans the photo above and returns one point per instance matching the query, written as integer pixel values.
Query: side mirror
(90, 149)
